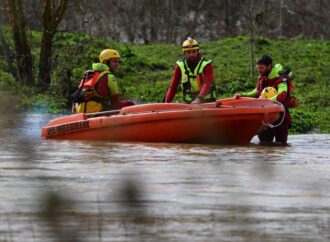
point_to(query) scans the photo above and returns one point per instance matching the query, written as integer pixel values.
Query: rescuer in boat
(98, 90)
(274, 76)
(195, 75)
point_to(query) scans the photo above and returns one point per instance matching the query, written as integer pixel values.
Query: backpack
(286, 75)
(86, 85)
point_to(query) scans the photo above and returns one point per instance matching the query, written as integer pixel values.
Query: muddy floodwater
(53, 190)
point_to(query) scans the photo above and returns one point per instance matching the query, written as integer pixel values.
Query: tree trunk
(8, 55)
(252, 28)
(45, 64)
(281, 19)
(23, 52)
(51, 17)
(251, 55)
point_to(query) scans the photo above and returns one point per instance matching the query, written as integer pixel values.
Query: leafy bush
(47, 103)
(302, 121)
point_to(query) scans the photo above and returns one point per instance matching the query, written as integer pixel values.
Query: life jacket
(90, 79)
(96, 89)
(93, 102)
(275, 77)
(192, 81)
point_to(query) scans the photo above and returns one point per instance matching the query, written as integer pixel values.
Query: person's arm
(208, 76)
(117, 104)
(174, 85)
(114, 92)
(115, 101)
(253, 93)
(282, 90)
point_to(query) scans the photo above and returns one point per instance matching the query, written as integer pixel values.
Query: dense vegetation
(146, 71)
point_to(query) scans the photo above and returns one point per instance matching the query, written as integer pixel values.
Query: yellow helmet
(190, 44)
(268, 92)
(109, 54)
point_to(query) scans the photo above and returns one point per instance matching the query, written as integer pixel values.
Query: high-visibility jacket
(192, 81)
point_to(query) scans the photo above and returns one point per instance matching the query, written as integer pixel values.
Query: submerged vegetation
(146, 71)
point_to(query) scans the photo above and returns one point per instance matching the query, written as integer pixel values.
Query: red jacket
(102, 88)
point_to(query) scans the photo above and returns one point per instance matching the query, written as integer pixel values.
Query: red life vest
(89, 81)
(265, 82)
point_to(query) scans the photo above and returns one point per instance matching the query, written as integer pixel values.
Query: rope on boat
(277, 125)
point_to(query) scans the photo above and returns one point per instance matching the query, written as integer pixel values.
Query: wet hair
(265, 60)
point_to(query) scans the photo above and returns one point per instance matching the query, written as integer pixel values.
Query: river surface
(55, 190)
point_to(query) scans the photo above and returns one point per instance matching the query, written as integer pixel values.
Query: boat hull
(224, 122)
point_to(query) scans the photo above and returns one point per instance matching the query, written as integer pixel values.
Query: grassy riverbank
(146, 71)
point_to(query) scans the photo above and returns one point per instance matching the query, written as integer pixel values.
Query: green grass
(146, 71)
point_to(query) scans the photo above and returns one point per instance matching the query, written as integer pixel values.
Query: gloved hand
(237, 96)
(198, 100)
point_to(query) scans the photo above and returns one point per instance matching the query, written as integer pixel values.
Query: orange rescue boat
(226, 121)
